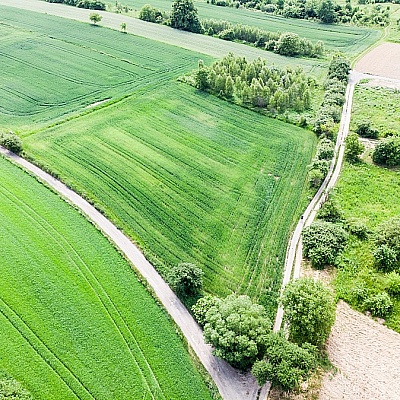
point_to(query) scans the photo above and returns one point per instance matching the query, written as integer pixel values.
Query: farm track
(231, 384)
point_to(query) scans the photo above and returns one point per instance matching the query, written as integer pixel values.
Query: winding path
(231, 384)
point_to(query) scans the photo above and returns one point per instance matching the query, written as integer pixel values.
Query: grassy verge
(75, 320)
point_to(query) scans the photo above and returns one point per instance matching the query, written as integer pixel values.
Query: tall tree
(184, 16)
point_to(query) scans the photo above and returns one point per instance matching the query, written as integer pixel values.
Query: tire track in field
(92, 281)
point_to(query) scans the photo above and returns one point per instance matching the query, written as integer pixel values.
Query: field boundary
(231, 384)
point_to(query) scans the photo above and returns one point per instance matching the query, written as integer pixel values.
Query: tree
(364, 129)
(288, 44)
(309, 310)
(354, 148)
(202, 306)
(184, 16)
(95, 18)
(385, 258)
(323, 241)
(123, 27)
(387, 152)
(285, 364)
(11, 142)
(186, 279)
(326, 12)
(237, 329)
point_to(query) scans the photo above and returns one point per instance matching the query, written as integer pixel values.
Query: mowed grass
(191, 178)
(53, 68)
(347, 39)
(75, 322)
(383, 109)
(371, 194)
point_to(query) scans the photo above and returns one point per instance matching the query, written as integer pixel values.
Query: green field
(347, 39)
(192, 179)
(37, 89)
(383, 109)
(371, 194)
(75, 322)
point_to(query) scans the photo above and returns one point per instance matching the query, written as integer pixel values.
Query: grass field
(37, 89)
(348, 39)
(383, 109)
(192, 179)
(75, 322)
(370, 194)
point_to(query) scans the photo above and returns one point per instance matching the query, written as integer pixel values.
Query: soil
(382, 61)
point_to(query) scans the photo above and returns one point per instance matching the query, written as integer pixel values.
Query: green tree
(387, 152)
(288, 44)
(123, 27)
(285, 364)
(310, 311)
(12, 389)
(326, 12)
(323, 241)
(354, 148)
(379, 304)
(385, 258)
(202, 306)
(184, 16)
(95, 18)
(364, 129)
(186, 279)
(11, 142)
(237, 329)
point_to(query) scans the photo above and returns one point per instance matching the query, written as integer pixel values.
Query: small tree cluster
(319, 167)
(152, 14)
(88, 4)
(335, 88)
(288, 43)
(309, 310)
(184, 16)
(387, 152)
(11, 142)
(323, 242)
(255, 84)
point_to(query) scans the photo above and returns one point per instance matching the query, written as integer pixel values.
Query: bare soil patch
(367, 356)
(384, 61)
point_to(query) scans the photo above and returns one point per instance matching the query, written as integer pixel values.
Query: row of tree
(89, 4)
(255, 84)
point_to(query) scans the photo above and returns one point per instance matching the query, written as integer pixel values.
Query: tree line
(89, 4)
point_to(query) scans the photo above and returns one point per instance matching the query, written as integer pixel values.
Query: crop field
(37, 89)
(75, 322)
(192, 179)
(370, 194)
(383, 109)
(347, 39)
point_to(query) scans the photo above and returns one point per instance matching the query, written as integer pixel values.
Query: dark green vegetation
(11, 141)
(347, 39)
(98, 65)
(91, 4)
(383, 111)
(369, 196)
(184, 16)
(387, 152)
(75, 320)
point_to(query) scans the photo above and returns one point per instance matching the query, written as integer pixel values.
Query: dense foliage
(237, 329)
(287, 43)
(285, 364)
(319, 167)
(186, 279)
(10, 389)
(323, 241)
(90, 4)
(152, 14)
(364, 129)
(354, 148)
(184, 16)
(387, 152)
(11, 141)
(388, 236)
(309, 310)
(255, 84)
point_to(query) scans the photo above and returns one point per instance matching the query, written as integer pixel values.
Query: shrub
(354, 148)
(364, 129)
(387, 152)
(227, 34)
(385, 258)
(202, 306)
(358, 228)
(388, 233)
(186, 279)
(392, 284)
(11, 142)
(379, 304)
(331, 211)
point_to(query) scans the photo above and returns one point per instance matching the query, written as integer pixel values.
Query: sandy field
(384, 60)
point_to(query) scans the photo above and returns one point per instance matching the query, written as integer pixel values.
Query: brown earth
(383, 60)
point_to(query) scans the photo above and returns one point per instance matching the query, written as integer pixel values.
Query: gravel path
(367, 356)
(231, 384)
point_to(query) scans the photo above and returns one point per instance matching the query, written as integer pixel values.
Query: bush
(184, 16)
(392, 284)
(387, 152)
(309, 310)
(186, 279)
(11, 142)
(358, 228)
(227, 34)
(364, 129)
(379, 304)
(385, 258)
(388, 233)
(331, 211)
(323, 242)
(202, 306)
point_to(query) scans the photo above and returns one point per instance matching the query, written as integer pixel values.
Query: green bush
(385, 258)
(202, 306)
(186, 279)
(379, 304)
(364, 129)
(11, 142)
(392, 284)
(387, 152)
(358, 228)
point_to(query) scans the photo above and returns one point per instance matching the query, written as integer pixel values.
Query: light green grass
(383, 109)
(371, 194)
(53, 67)
(75, 322)
(191, 178)
(347, 39)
